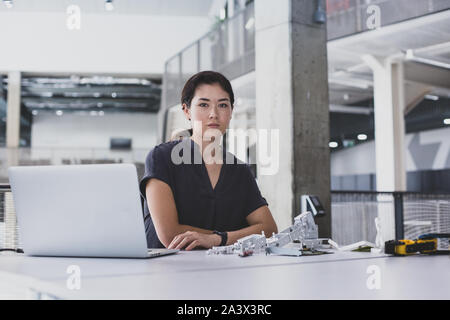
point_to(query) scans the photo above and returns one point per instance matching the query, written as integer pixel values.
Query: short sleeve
(156, 166)
(254, 198)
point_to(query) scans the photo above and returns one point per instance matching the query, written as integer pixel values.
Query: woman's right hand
(191, 239)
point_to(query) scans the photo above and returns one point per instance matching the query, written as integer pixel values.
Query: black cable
(14, 250)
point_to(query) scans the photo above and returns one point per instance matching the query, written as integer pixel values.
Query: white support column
(12, 143)
(273, 71)
(13, 110)
(233, 31)
(389, 98)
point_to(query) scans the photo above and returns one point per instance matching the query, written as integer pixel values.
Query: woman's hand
(191, 239)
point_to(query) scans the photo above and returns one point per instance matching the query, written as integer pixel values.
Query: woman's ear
(186, 110)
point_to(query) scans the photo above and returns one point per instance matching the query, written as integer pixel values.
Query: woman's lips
(213, 125)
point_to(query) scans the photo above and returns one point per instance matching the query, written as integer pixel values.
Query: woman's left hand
(191, 239)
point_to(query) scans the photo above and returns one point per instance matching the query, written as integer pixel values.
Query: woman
(206, 203)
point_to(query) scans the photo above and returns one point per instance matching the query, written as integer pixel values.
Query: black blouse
(223, 208)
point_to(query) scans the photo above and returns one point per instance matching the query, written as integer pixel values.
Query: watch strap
(223, 235)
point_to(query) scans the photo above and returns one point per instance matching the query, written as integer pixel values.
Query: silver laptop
(80, 211)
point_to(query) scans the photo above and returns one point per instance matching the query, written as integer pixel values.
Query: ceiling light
(59, 112)
(109, 5)
(250, 23)
(356, 83)
(350, 109)
(8, 3)
(34, 112)
(113, 94)
(222, 14)
(410, 55)
(333, 144)
(362, 137)
(101, 113)
(431, 97)
(447, 121)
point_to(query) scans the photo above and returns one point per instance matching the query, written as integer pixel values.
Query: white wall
(426, 150)
(93, 133)
(105, 42)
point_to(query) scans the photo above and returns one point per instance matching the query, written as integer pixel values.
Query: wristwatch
(224, 237)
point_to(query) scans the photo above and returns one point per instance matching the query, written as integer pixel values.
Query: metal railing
(9, 229)
(401, 215)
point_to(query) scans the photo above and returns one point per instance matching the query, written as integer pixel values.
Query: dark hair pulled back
(205, 77)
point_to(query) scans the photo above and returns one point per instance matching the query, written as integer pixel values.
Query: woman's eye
(223, 105)
(203, 105)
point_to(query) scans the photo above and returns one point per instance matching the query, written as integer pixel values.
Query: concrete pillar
(292, 97)
(389, 101)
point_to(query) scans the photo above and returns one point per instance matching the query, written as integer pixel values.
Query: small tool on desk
(430, 243)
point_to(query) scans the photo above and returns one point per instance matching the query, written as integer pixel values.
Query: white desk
(196, 275)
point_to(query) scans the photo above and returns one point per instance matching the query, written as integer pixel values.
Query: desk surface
(196, 275)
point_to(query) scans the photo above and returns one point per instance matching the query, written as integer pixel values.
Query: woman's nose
(213, 112)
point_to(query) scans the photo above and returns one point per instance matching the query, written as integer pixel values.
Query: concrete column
(389, 101)
(292, 97)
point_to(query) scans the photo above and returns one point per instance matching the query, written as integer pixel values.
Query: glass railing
(347, 17)
(228, 48)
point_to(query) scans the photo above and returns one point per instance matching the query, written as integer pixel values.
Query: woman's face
(210, 109)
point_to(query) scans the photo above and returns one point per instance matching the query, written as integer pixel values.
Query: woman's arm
(259, 220)
(161, 205)
(164, 215)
